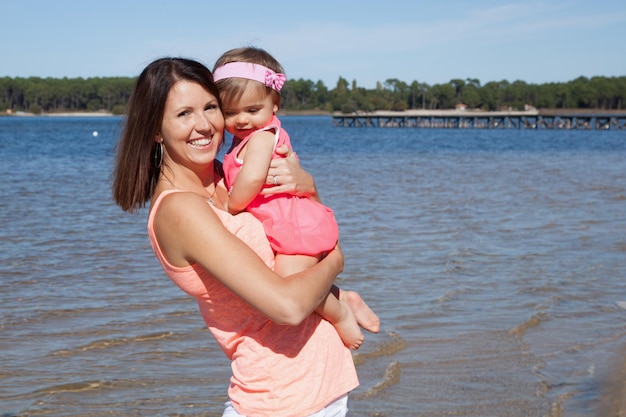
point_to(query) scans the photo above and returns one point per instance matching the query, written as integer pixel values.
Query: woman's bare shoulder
(183, 206)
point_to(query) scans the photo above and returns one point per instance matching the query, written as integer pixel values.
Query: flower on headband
(274, 80)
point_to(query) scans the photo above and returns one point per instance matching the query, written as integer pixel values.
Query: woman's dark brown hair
(135, 174)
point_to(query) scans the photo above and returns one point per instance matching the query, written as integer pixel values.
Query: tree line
(110, 94)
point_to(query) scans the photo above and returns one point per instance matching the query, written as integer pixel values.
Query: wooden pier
(470, 119)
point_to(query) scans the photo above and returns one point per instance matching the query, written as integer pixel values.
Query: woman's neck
(201, 182)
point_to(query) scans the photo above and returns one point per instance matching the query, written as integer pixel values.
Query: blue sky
(537, 41)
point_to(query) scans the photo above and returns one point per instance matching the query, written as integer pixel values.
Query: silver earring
(158, 155)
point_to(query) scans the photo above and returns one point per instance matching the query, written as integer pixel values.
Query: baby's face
(253, 111)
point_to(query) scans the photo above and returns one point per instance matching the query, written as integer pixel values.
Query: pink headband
(250, 71)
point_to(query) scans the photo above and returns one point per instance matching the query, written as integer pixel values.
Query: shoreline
(60, 114)
(542, 112)
(78, 114)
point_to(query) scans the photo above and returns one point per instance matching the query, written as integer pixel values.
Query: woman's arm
(190, 232)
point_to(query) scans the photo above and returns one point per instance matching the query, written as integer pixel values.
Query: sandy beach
(79, 114)
(61, 114)
(613, 400)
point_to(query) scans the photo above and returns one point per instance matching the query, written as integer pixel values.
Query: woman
(285, 360)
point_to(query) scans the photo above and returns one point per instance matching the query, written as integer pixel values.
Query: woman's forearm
(306, 290)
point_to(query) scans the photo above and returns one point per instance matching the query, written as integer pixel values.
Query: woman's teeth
(200, 142)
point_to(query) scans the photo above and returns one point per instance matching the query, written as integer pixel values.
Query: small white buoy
(621, 304)
(95, 133)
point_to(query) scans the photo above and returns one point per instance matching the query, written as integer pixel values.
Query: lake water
(496, 260)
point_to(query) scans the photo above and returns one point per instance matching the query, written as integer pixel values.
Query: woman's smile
(201, 143)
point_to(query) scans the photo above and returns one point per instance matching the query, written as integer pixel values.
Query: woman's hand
(288, 176)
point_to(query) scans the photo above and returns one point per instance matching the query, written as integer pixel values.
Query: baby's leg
(290, 264)
(334, 310)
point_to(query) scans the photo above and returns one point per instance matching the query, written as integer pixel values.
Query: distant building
(460, 106)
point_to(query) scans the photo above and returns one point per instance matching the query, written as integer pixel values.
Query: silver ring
(274, 180)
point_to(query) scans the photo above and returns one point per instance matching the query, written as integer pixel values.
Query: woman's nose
(202, 122)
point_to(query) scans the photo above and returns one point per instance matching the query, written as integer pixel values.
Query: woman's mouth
(200, 143)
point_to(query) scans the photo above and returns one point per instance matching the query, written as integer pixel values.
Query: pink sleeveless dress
(293, 225)
(276, 369)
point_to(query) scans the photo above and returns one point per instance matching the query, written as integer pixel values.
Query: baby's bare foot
(364, 315)
(348, 328)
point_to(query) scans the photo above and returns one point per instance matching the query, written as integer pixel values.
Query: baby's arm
(257, 155)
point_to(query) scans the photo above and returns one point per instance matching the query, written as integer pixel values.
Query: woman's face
(192, 127)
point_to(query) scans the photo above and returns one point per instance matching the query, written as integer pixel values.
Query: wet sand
(613, 399)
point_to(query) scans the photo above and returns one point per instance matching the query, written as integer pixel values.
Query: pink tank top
(276, 369)
(293, 225)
